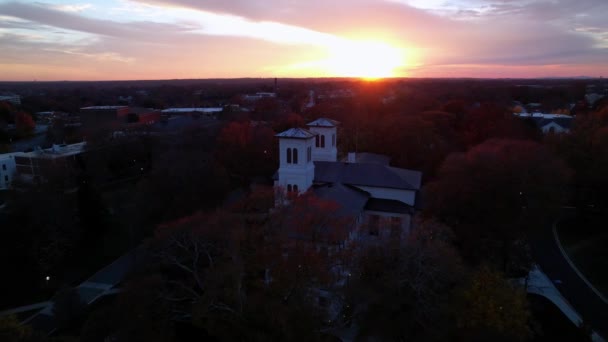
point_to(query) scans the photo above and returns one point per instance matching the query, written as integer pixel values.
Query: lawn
(585, 243)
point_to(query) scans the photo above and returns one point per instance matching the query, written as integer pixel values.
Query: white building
(8, 168)
(31, 166)
(381, 198)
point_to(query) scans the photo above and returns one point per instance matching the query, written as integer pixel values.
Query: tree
(247, 151)
(492, 309)
(11, 330)
(492, 194)
(400, 292)
(24, 123)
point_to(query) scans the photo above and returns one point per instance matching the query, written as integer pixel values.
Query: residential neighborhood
(318, 209)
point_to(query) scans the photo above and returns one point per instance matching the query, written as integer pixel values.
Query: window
(4, 167)
(6, 178)
(309, 154)
(289, 156)
(317, 140)
(374, 225)
(333, 140)
(289, 189)
(295, 155)
(322, 141)
(295, 188)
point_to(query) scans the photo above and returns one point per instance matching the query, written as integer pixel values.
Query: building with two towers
(382, 199)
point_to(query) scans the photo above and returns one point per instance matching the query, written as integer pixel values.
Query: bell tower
(326, 139)
(296, 168)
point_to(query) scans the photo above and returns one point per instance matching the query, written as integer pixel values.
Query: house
(381, 198)
(549, 123)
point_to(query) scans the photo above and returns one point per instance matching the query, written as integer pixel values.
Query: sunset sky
(169, 39)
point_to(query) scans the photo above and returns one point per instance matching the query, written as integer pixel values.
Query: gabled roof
(351, 200)
(562, 122)
(324, 122)
(296, 133)
(373, 175)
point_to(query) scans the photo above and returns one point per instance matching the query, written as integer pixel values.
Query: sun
(364, 59)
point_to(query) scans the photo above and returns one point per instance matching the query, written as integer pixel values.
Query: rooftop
(362, 174)
(324, 122)
(193, 109)
(351, 200)
(296, 133)
(102, 107)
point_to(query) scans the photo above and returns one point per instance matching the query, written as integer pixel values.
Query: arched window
(333, 140)
(289, 156)
(317, 140)
(289, 188)
(295, 155)
(322, 141)
(295, 188)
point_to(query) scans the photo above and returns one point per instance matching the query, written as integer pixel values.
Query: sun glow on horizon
(364, 59)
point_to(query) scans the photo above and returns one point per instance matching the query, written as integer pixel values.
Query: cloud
(73, 8)
(211, 38)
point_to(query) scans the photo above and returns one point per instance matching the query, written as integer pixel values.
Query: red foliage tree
(493, 191)
(247, 150)
(24, 123)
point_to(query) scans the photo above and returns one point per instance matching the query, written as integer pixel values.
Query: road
(548, 255)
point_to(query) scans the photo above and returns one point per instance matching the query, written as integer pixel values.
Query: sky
(176, 39)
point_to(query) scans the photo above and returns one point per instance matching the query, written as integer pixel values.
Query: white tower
(296, 169)
(326, 140)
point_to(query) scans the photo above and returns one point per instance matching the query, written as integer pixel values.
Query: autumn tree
(247, 150)
(402, 292)
(24, 123)
(11, 330)
(492, 194)
(490, 308)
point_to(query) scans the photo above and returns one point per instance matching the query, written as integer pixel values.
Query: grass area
(585, 243)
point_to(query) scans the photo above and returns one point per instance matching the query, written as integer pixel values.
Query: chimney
(352, 157)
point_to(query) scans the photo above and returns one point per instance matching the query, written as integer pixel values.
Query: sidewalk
(540, 284)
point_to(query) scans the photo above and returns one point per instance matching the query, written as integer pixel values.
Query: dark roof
(370, 158)
(296, 133)
(374, 175)
(389, 206)
(324, 122)
(351, 200)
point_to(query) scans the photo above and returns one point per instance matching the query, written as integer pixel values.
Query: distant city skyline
(172, 39)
